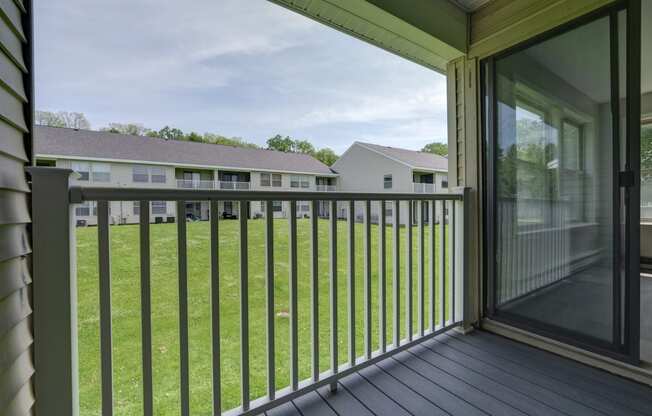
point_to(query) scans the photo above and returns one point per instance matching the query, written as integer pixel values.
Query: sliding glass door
(559, 185)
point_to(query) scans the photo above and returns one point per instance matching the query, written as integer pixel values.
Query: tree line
(278, 142)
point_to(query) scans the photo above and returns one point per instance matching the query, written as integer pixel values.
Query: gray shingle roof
(52, 141)
(414, 159)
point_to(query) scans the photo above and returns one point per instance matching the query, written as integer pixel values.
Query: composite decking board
(450, 403)
(516, 399)
(625, 393)
(373, 398)
(517, 383)
(460, 388)
(286, 409)
(314, 405)
(415, 403)
(343, 402)
(478, 374)
(567, 366)
(592, 400)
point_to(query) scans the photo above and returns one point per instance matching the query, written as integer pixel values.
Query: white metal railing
(443, 252)
(326, 188)
(233, 186)
(424, 188)
(195, 184)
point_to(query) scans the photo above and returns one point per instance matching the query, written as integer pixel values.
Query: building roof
(412, 158)
(66, 143)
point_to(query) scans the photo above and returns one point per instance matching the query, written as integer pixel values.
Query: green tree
(281, 144)
(304, 146)
(133, 129)
(436, 148)
(228, 141)
(326, 156)
(194, 137)
(170, 133)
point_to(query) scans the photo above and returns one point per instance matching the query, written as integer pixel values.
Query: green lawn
(165, 338)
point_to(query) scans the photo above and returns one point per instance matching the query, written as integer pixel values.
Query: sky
(243, 68)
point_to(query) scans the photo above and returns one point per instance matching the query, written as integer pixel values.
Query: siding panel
(14, 275)
(17, 396)
(12, 142)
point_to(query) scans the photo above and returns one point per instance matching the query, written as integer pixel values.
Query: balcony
(195, 184)
(233, 186)
(375, 339)
(423, 188)
(326, 188)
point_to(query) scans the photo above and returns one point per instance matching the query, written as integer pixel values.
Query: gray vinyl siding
(16, 333)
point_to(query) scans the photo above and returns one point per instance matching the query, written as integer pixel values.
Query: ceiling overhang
(428, 32)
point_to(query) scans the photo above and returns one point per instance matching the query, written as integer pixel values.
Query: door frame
(629, 351)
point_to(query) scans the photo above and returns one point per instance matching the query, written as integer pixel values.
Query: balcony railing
(233, 186)
(435, 272)
(326, 188)
(194, 184)
(424, 188)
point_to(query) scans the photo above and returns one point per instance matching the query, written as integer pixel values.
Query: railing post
(463, 297)
(55, 293)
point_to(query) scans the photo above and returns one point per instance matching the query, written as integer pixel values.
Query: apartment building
(103, 159)
(367, 167)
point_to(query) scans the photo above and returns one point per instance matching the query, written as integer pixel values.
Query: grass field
(165, 326)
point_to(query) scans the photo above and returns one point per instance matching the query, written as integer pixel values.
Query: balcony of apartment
(326, 188)
(233, 181)
(382, 328)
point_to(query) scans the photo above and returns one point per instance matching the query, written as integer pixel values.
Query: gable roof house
(366, 167)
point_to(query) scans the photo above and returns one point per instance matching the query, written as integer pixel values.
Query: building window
(140, 174)
(277, 206)
(159, 207)
(83, 169)
(299, 181)
(101, 172)
(265, 179)
(389, 209)
(276, 180)
(444, 184)
(387, 181)
(136, 206)
(83, 209)
(158, 175)
(304, 206)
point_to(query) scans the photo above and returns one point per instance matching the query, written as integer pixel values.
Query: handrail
(79, 194)
(444, 215)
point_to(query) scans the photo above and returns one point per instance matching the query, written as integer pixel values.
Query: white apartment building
(367, 167)
(104, 159)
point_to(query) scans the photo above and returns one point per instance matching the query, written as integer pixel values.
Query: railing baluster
(382, 279)
(408, 272)
(146, 309)
(333, 288)
(367, 279)
(106, 344)
(351, 282)
(452, 262)
(420, 283)
(269, 283)
(442, 264)
(433, 265)
(183, 308)
(244, 305)
(294, 340)
(396, 218)
(314, 274)
(215, 307)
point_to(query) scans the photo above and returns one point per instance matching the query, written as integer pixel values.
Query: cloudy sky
(245, 68)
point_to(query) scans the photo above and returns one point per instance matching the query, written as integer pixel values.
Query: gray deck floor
(476, 374)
